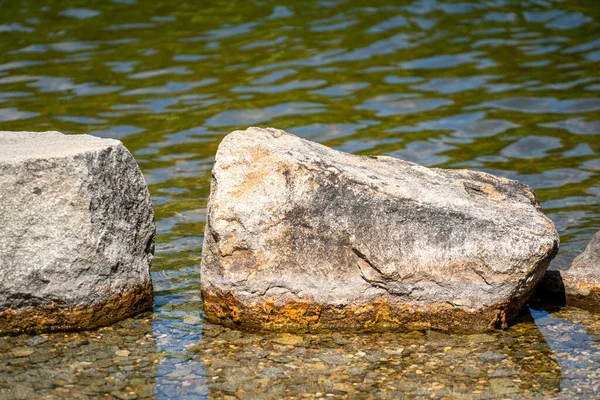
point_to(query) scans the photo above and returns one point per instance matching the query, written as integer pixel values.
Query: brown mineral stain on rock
(302, 316)
(477, 188)
(584, 295)
(289, 339)
(250, 182)
(53, 317)
(255, 177)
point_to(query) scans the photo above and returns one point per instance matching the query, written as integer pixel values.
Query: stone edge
(559, 288)
(52, 317)
(224, 308)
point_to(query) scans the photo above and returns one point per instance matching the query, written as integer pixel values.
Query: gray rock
(22, 351)
(503, 373)
(503, 386)
(76, 232)
(492, 356)
(272, 372)
(36, 340)
(578, 286)
(300, 236)
(582, 280)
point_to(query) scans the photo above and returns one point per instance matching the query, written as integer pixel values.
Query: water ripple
(505, 87)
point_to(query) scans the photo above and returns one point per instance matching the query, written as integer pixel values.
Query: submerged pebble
(134, 360)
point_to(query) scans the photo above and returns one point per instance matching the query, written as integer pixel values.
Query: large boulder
(579, 286)
(76, 232)
(300, 236)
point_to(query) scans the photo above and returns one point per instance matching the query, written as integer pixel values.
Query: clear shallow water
(507, 87)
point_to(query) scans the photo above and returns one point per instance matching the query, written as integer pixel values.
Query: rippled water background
(507, 87)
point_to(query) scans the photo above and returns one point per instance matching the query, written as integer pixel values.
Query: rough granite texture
(76, 232)
(578, 286)
(303, 237)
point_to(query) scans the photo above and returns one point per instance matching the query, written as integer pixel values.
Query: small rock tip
(275, 133)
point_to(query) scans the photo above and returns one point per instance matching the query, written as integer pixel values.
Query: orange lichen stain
(250, 181)
(53, 317)
(260, 261)
(491, 191)
(483, 189)
(304, 315)
(259, 168)
(259, 152)
(252, 273)
(585, 295)
(268, 308)
(228, 245)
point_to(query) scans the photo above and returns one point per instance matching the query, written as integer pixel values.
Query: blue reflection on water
(178, 375)
(177, 325)
(576, 352)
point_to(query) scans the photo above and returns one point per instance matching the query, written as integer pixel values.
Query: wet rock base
(76, 233)
(55, 317)
(303, 316)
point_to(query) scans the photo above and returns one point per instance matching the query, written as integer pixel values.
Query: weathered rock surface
(76, 232)
(578, 286)
(300, 236)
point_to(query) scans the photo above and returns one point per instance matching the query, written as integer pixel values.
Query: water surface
(507, 87)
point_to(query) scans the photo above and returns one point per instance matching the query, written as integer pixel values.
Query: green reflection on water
(508, 87)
